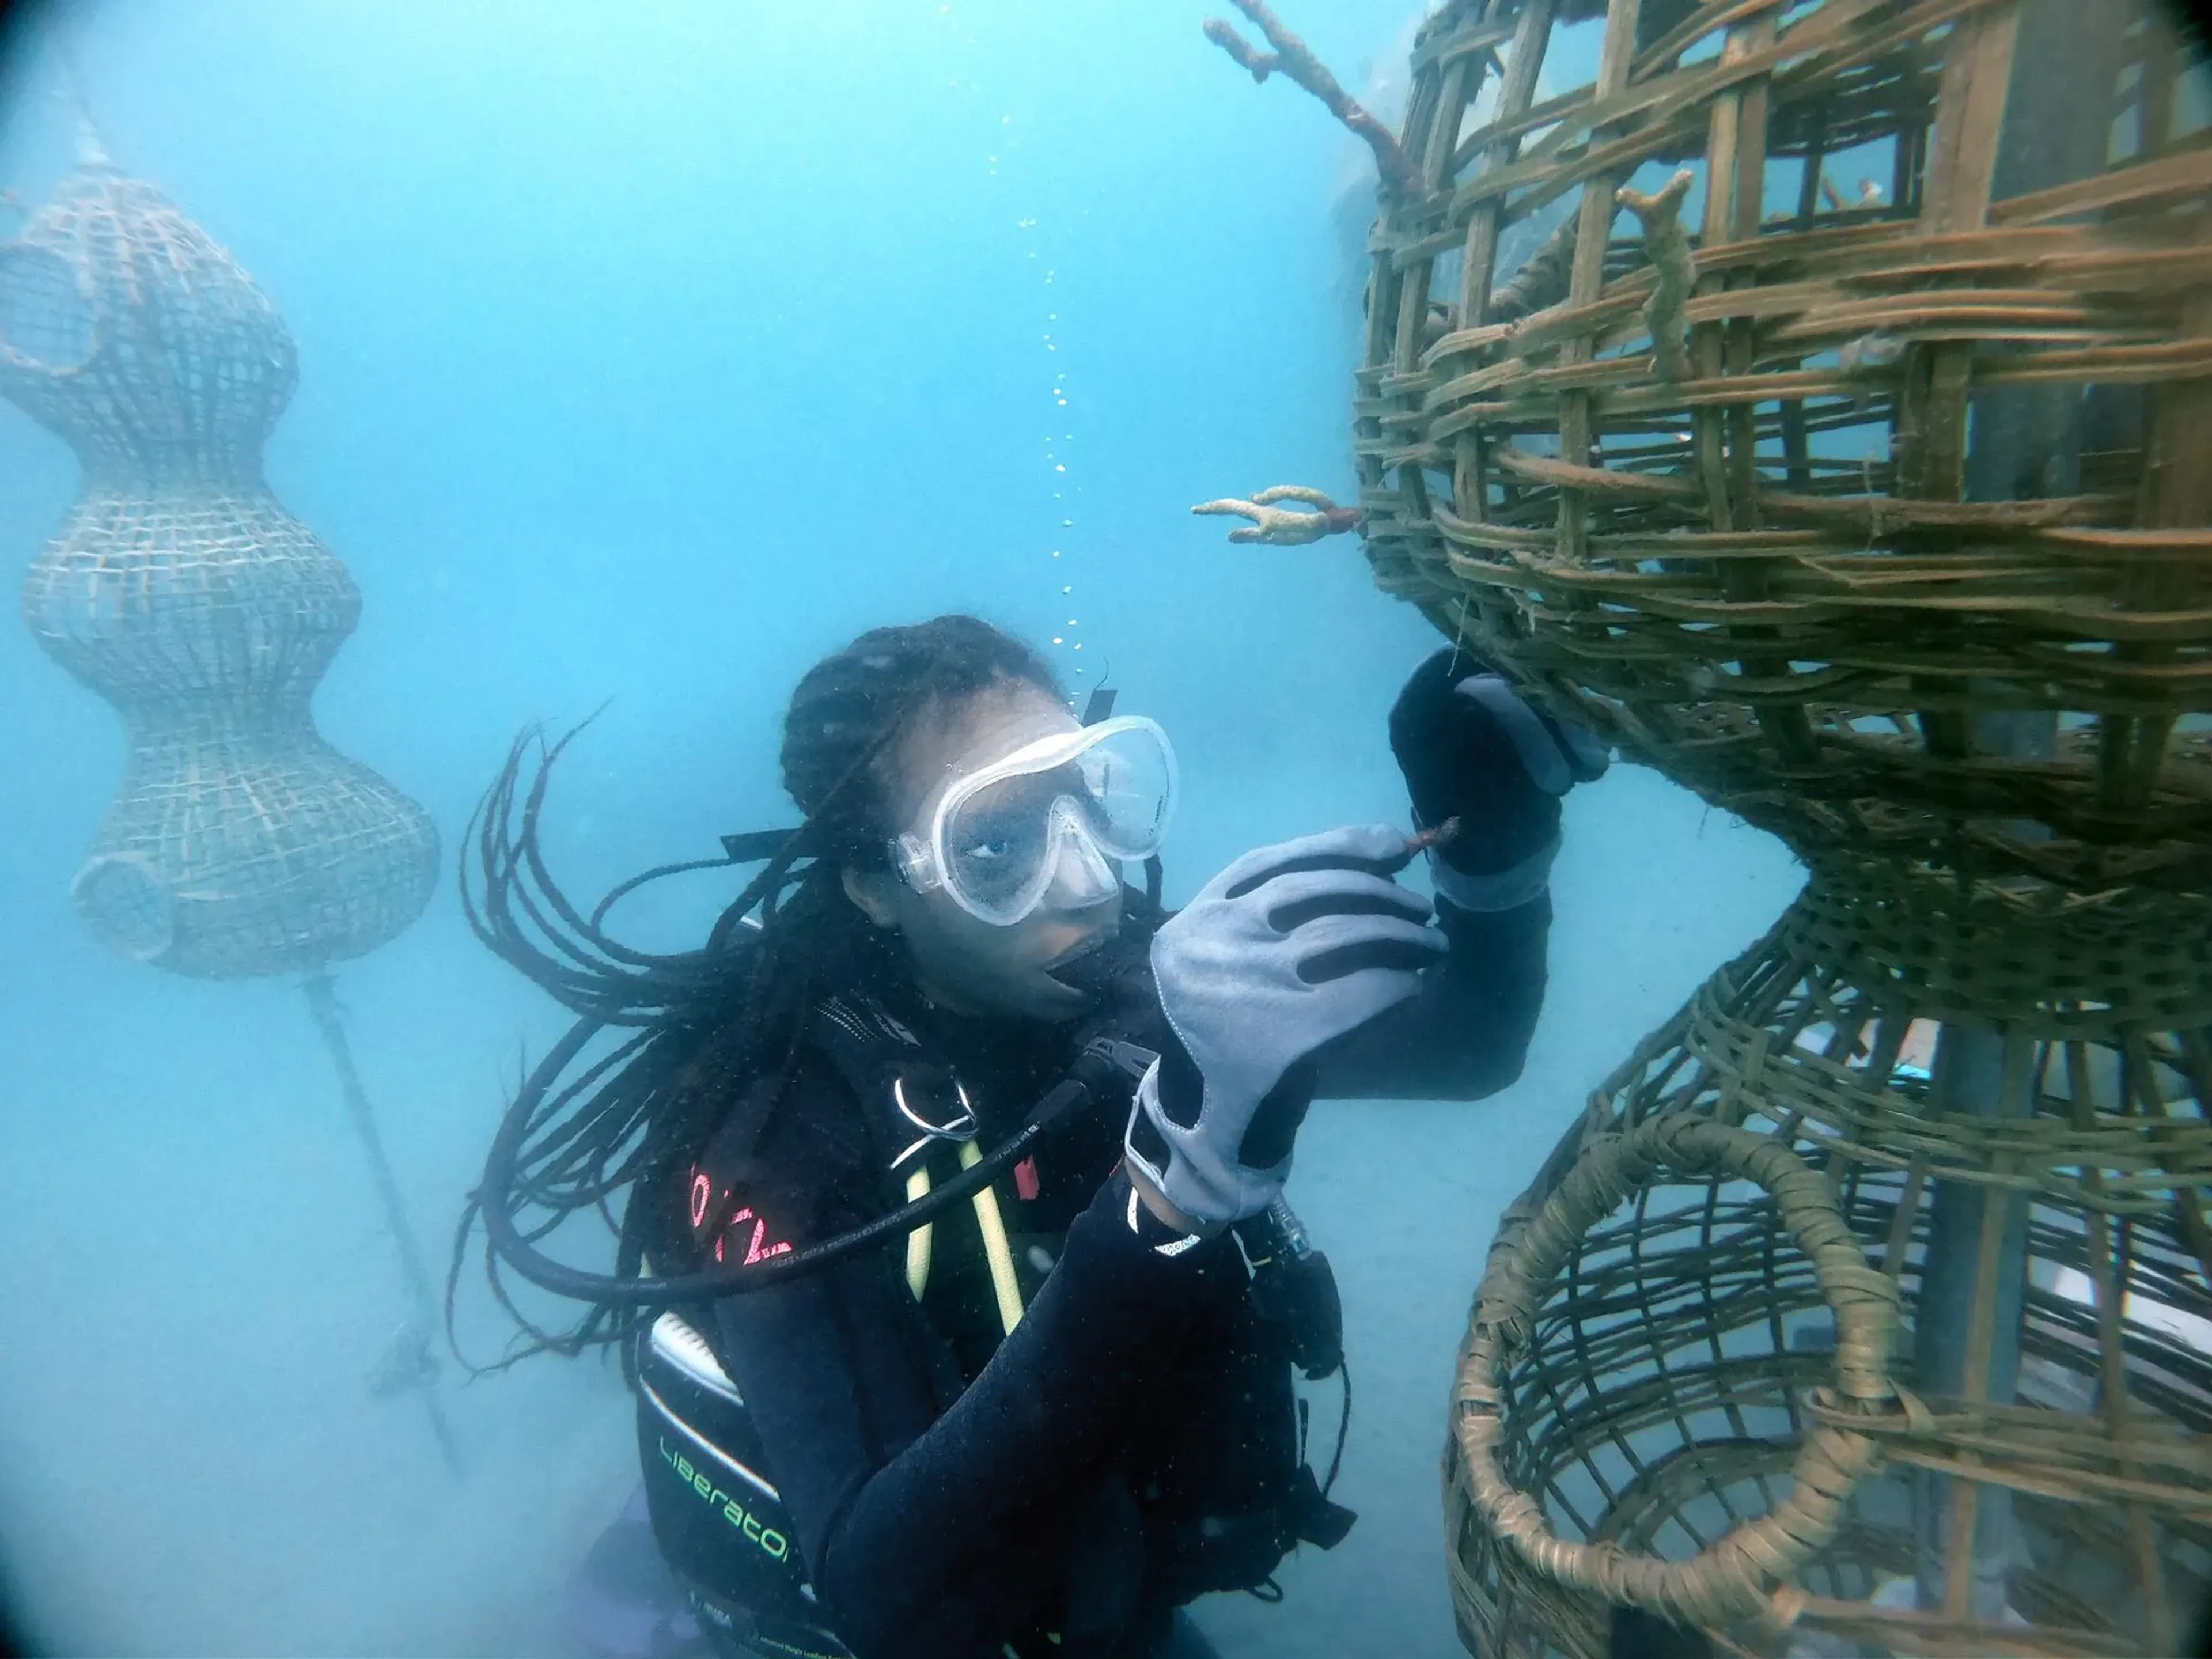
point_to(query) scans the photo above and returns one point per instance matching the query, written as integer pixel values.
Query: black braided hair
(850, 708)
(682, 1041)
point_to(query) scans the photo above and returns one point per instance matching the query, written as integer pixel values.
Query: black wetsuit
(952, 1492)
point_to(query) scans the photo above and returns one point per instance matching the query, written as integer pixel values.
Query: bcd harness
(931, 1113)
(721, 1521)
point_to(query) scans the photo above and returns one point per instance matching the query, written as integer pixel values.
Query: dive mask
(1050, 819)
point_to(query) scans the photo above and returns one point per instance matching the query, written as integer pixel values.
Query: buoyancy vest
(715, 1510)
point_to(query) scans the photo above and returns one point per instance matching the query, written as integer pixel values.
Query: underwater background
(647, 355)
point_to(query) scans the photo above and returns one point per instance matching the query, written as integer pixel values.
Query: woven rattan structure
(1817, 402)
(182, 592)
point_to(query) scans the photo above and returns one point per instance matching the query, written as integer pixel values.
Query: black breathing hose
(1100, 1062)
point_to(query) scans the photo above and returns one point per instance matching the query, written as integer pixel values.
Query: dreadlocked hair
(668, 1046)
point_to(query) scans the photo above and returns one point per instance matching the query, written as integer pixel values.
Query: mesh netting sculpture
(1840, 444)
(179, 589)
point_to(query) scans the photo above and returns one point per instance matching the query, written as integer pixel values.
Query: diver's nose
(1081, 876)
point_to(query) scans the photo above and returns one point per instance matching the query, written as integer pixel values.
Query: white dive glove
(1287, 949)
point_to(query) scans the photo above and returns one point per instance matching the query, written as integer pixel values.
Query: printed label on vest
(768, 1538)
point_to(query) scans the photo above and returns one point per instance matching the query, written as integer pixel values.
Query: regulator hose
(1102, 1061)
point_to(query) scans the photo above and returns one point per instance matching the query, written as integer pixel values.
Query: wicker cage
(1699, 467)
(1656, 1362)
(1817, 403)
(182, 592)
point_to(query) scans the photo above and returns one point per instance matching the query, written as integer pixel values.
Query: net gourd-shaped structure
(181, 590)
(1838, 439)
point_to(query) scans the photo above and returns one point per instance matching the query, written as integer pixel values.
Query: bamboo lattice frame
(1647, 1370)
(181, 590)
(1787, 578)
(1879, 512)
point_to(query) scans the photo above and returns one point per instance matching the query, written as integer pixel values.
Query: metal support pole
(408, 1361)
(1977, 1248)
(2026, 441)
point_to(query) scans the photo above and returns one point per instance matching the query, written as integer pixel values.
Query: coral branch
(1543, 277)
(1224, 34)
(1295, 59)
(1669, 247)
(1279, 526)
(1869, 194)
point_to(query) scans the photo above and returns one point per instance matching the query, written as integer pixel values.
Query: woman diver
(1059, 1408)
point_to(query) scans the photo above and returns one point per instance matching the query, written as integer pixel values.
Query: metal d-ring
(960, 1127)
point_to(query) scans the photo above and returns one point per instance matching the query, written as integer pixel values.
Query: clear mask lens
(1052, 819)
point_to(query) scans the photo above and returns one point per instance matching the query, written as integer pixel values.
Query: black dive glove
(1471, 749)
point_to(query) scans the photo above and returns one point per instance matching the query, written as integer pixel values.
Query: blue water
(646, 358)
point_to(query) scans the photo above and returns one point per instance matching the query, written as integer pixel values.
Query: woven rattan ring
(1741, 1576)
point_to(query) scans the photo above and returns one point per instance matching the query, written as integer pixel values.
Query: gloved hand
(1289, 947)
(1471, 749)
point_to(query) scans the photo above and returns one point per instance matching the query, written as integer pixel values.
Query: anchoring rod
(323, 1003)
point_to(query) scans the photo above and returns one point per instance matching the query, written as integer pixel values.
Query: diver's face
(962, 963)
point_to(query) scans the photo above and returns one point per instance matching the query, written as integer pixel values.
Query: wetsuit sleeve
(926, 1534)
(1467, 1032)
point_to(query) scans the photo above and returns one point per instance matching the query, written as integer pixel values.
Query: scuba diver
(955, 1278)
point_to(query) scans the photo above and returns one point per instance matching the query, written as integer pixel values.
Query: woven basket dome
(181, 590)
(1815, 398)
(1861, 490)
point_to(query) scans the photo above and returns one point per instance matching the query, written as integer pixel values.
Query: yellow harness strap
(918, 1241)
(997, 1250)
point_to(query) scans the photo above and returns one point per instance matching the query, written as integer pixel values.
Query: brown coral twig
(1543, 278)
(1224, 34)
(1668, 245)
(1295, 59)
(1279, 526)
(1441, 835)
